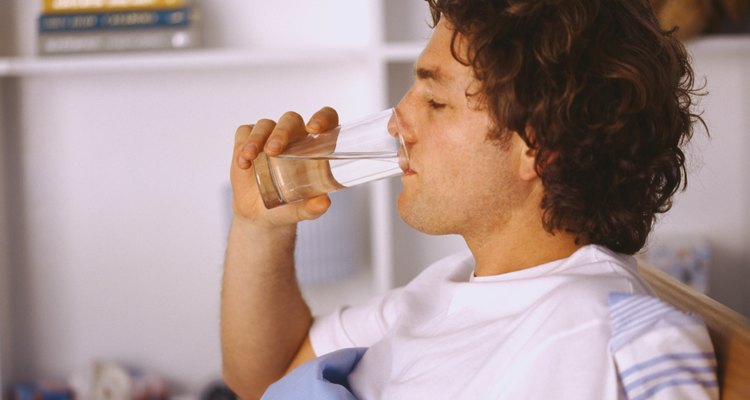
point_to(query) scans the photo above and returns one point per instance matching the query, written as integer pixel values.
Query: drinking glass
(351, 154)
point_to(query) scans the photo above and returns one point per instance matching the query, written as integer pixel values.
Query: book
(83, 6)
(42, 390)
(114, 20)
(118, 41)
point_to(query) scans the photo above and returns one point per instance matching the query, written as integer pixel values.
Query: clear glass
(352, 154)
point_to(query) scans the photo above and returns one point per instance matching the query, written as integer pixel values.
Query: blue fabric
(325, 377)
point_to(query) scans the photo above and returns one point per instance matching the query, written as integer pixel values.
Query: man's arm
(264, 319)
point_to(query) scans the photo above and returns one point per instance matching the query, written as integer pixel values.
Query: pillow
(325, 377)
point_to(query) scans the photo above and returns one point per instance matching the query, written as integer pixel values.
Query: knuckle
(327, 115)
(242, 132)
(262, 128)
(329, 110)
(281, 132)
(291, 115)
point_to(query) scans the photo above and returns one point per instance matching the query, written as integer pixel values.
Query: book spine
(114, 20)
(117, 41)
(82, 6)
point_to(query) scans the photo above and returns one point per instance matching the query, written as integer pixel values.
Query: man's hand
(272, 138)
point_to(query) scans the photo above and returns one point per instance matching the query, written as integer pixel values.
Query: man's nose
(399, 123)
(393, 125)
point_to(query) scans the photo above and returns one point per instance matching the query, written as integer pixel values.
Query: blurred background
(116, 145)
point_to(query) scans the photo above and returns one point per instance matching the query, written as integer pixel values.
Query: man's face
(461, 182)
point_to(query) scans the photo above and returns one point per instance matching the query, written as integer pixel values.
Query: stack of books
(101, 26)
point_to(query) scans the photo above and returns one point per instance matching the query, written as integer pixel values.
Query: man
(547, 134)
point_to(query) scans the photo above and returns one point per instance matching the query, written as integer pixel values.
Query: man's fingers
(324, 120)
(258, 136)
(290, 126)
(249, 139)
(272, 137)
(243, 132)
(313, 208)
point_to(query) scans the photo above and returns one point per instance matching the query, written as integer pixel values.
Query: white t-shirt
(538, 333)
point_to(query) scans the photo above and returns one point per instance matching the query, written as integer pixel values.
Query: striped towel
(660, 352)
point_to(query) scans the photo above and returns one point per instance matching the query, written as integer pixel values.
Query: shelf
(201, 59)
(720, 44)
(403, 51)
(177, 60)
(237, 58)
(408, 51)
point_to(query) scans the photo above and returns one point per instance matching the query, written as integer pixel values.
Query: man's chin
(417, 217)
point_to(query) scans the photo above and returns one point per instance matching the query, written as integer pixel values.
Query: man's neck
(513, 250)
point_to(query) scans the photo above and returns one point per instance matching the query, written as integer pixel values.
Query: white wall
(715, 205)
(125, 211)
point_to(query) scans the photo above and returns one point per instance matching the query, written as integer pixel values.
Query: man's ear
(527, 161)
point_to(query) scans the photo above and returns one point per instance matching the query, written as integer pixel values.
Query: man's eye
(435, 105)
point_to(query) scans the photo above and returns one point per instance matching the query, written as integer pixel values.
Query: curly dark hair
(599, 91)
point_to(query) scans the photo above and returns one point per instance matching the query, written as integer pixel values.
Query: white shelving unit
(116, 189)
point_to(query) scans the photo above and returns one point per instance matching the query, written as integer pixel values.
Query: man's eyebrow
(433, 74)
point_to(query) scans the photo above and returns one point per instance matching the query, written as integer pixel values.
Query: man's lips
(403, 163)
(403, 160)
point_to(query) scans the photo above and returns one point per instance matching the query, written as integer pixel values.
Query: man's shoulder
(583, 284)
(598, 267)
